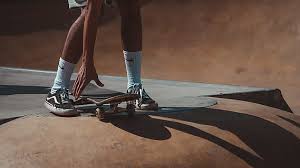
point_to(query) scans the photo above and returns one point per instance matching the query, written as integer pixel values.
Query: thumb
(98, 82)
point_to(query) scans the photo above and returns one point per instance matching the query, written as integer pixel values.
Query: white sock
(133, 62)
(63, 75)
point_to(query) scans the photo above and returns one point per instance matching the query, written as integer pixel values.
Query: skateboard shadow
(18, 89)
(143, 126)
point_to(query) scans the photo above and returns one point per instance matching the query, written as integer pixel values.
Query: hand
(86, 74)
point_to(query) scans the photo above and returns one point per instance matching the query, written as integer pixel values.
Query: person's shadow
(275, 146)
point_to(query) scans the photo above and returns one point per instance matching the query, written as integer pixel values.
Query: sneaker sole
(61, 112)
(152, 107)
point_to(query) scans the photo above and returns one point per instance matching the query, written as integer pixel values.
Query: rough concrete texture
(232, 134)
(252, 43)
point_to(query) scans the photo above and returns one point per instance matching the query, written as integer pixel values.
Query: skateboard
(93, 95)
(105, 107)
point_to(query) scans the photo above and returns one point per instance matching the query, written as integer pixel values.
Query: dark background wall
(251, 42)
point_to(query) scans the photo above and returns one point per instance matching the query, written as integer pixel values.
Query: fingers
(83, 79)
(76, 83)
(79, 89)
(98, 82)
(74, 86)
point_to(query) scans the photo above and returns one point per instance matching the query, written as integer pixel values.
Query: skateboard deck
(104, 108)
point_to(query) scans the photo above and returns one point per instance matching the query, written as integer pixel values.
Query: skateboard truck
(102, 113)
(109, 106)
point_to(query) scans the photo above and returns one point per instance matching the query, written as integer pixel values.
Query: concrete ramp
(231, 134)
(22, 93)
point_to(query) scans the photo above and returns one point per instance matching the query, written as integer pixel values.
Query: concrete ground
(29, 88)
(230, 134)
(244, 43)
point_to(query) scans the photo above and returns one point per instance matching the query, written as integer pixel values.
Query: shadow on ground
(3, 121)
(18, 89)
(274, 146)
(143, 126)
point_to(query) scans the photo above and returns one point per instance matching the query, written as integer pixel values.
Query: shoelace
(145, 96)
(138, 89)
(64, 93)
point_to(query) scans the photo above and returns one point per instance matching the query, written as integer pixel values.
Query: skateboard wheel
(130, 110)
(114, 107)
(100, 113)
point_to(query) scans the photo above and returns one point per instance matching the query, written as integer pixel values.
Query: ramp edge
(272, 98)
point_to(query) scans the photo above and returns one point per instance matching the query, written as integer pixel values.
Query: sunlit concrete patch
(22, 92)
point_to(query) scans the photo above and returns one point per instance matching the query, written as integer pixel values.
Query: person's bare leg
(90, 28)
(72, 50)
(131, 25)
(131, 29)
(80, 42)
(87, 70)
(71, 54)
(131, 32)
(57, 100)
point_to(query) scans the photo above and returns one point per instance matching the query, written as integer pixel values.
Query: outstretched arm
(87, 70)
